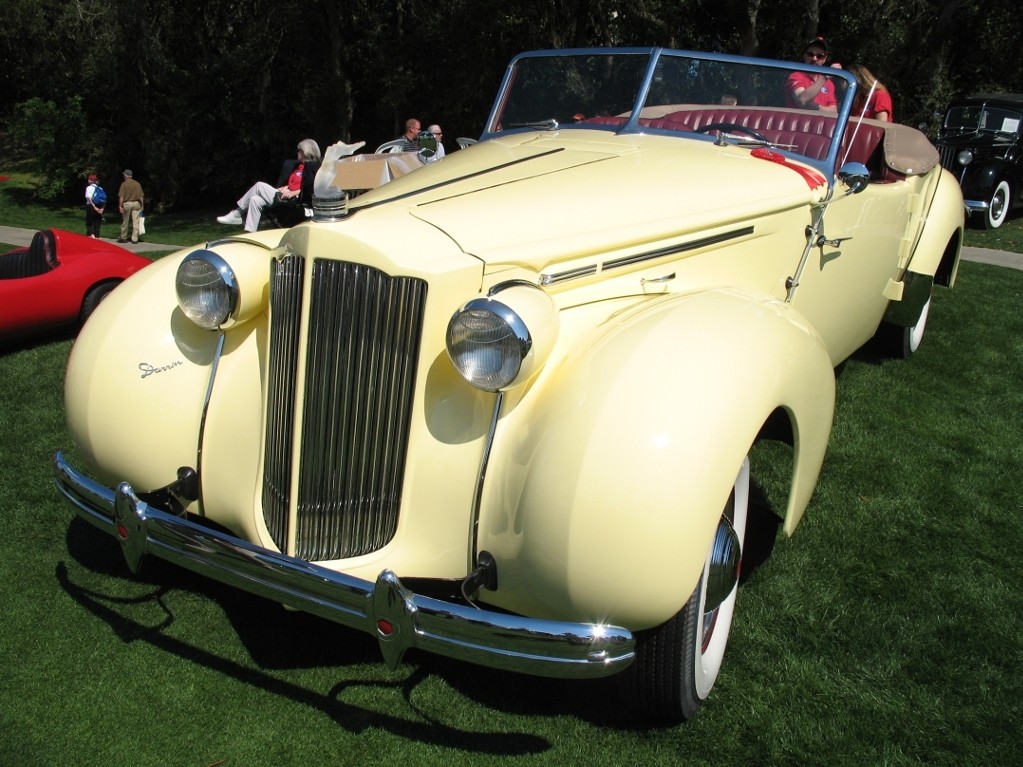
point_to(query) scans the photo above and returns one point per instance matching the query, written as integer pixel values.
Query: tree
(202, 97)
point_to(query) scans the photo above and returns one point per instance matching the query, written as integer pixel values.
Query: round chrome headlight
(207, 289)
(495, 344)
(487, 341)
(965, 157)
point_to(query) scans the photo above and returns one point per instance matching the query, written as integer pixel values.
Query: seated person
(804, 90)
(411, 135)
(879, 104)
(438, 136)
(294, 183)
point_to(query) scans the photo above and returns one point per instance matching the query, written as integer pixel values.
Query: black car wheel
(998, 206)
(93, 299)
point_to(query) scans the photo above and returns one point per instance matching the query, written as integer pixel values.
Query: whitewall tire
(678, 662)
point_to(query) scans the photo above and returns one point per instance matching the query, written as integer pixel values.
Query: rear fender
(937, 252)
(614, 472)
(936, 256)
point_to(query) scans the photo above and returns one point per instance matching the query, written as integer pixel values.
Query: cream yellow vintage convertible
(500, 407)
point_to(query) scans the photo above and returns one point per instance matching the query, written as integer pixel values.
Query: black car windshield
(678, 93)
(982, 117)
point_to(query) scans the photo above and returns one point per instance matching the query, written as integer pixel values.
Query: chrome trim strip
(477, 497)
(217, 354)
(398, 618)
(650, 255)
(571, 274)
(703, 242)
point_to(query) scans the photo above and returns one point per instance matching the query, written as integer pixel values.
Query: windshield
(982, 117)
(676, 93)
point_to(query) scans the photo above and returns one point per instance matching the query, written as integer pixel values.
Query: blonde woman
(876, 105)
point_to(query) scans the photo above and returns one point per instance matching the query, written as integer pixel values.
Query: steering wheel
(730, 127)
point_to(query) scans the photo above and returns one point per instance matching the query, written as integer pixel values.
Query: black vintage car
(981, 143)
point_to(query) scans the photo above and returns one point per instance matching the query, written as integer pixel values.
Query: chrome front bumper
(386, 609)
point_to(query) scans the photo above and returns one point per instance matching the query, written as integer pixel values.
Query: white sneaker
(234, 218)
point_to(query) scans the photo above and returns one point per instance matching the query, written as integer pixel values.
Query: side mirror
(855, 176)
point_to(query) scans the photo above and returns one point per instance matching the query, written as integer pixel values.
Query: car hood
(536, 199)
(978, 138)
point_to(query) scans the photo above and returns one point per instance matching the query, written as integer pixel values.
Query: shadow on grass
(278, 640)
(42, 338)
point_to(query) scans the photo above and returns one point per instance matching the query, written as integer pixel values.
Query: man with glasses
(438, 136)
(804, 90)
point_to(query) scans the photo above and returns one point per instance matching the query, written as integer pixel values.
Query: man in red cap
(812, 91)
(94, 207)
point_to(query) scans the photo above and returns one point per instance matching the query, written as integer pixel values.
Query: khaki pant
(130, 214)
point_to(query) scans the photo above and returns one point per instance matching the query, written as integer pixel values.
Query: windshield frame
(655, 57)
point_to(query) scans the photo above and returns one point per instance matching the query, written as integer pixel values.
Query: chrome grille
(362, 349)
(948, 156)
(285, 322)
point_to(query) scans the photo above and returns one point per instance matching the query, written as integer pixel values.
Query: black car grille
(361, 352)
(948, 157)
(948, 154)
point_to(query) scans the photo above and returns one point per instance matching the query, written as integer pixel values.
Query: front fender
(616, 471)
(981, 178)
(140, 367)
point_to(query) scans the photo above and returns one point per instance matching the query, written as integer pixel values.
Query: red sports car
(58, 280)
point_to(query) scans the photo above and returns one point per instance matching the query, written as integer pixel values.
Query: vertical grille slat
(362, 351)
(285, 321)
(947, 157)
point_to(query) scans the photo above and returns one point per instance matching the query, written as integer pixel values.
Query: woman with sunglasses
(805, 90)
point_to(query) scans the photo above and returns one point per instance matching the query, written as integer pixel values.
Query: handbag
(281, 201)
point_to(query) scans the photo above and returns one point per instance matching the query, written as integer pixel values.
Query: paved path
(15, 236)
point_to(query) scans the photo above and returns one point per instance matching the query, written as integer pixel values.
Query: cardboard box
(368, 171)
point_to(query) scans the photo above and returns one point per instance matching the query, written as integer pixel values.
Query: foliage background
(202, 97)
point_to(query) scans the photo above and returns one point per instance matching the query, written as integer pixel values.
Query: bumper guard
(386, 609)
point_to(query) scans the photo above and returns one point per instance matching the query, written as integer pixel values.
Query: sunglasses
(812, 55)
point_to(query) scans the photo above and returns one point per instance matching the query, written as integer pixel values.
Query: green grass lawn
(18, 208)
(886, 632)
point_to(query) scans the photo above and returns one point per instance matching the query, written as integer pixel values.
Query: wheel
(732, 127)
(998, 206)
(902, 343)
(914, 335)
(677, 663)
(94, 298)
